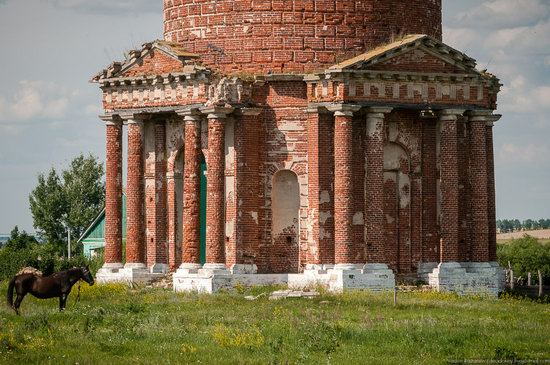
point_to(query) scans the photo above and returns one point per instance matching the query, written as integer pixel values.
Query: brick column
(172, 218)
(491, 200)
(479, 187)
(320, 188)
(247, 166)
(135, 197)
(343, 185)
(155, 189)
(449, 184)
(191, 192)
(113, 195)
(215, 201)
(374, 185)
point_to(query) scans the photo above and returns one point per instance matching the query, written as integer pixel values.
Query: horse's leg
(62, 302)
(17, 302)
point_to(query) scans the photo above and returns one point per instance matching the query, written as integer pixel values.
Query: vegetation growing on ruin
(114, 324)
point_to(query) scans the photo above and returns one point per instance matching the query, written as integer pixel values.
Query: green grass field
(116, 325)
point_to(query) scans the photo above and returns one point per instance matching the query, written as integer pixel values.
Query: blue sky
(48, 110)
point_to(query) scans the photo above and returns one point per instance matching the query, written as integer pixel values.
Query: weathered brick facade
(333, 134)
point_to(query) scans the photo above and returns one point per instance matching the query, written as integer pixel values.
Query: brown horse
(55, 285)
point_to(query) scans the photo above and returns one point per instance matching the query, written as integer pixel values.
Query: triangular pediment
(414, 53)
(154, 58)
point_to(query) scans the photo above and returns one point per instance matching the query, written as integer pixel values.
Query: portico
(378, 166)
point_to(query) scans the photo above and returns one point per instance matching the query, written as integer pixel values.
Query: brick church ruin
(305, 142)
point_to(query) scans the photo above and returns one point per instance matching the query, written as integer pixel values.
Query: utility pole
(69, 242)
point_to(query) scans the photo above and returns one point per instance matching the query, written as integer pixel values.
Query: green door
(203, 211)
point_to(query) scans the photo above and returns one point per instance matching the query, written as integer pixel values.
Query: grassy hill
(116, 325)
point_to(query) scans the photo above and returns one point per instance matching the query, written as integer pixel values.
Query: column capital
(481, 115)
(450, 115)
(493, 118)
(343, 110)
(111, 119)
(378, 110)
(217, 112)
(190, 114)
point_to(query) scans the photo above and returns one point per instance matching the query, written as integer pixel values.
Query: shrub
(42, 257)
(525, 255)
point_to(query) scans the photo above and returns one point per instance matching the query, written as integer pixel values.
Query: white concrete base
(426, 268)
(374, 277)
(482, 278)
(159, 269)
(129, 273)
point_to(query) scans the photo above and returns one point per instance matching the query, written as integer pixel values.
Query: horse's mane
(30, 270)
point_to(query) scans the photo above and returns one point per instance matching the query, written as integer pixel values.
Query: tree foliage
(84, 192)
(20, 240)
(525, 255)
(71, 200)
(514, 225)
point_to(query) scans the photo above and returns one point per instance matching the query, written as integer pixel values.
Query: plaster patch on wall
(393, 131)
(254, 216)
(404, 190)
(389, 218)
(358, 219)
(229, 228)
(324, 197)
(291, 126)
(323, 216)
(229, 189)
(373, 129)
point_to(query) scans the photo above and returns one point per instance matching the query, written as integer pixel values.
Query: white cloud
(35, 100)
(530, 153)
(460, 38)
(504, 14)
(109, 7)
(93, 109)
(528, 40)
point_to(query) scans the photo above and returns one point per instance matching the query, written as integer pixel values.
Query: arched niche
(285, 231)
(397, 208)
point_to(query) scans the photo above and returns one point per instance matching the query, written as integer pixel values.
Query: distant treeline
(514, 225)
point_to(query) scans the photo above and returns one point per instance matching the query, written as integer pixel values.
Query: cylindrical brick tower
(259, 36)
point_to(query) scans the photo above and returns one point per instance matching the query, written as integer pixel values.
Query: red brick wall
(343, 189)
(374, 182)
(479, 191)
(430, 174)
(155, 199)
(464, 183)
(282, 146)
(417, 60)
(248, 185)
(155, 63)
(449, 174)
(359, 125)
(491, 208)
(292, 35)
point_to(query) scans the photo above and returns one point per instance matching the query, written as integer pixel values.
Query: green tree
(525, 254)
(48, 207)
(84, 192)
(20, 240)
(72, 201)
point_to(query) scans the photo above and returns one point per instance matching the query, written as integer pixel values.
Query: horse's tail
(11, 286)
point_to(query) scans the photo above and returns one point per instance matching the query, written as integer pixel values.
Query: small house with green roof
(93, 238)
